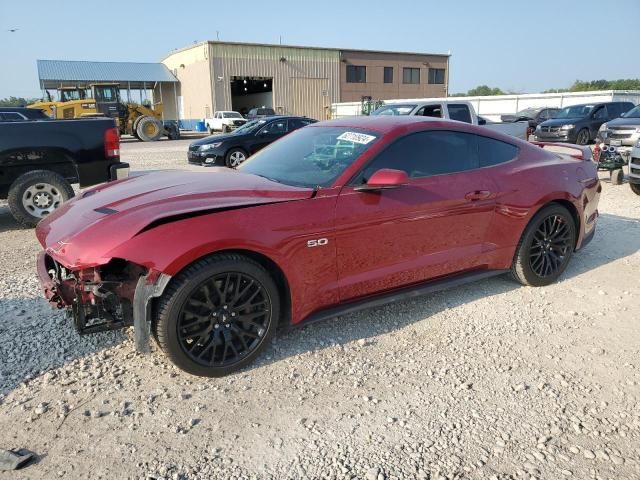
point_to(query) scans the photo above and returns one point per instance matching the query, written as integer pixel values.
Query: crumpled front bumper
(97, 304)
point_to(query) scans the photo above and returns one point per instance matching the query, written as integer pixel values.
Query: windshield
(310, 157)
(394, 110)
(249, 127)
(576, 111)
(633, 113)
(231, 115)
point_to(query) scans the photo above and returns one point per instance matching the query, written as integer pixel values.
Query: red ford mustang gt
(335, 217)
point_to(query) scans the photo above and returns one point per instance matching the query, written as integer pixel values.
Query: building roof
(57, 73)
(333, 49)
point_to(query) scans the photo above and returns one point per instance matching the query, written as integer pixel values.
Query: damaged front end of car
(106, 297)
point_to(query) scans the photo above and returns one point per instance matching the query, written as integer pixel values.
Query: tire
(211, 132)
(225, 129)
(197, 292)
(539, 259)
(583, 137)
(35, 194)
(149, 129)
(173, 133)
(235, 157)
(617, 177)
(635, 188)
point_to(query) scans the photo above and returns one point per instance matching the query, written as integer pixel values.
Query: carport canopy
(54, 74)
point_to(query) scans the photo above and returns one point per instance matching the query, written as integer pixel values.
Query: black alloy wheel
(217, 315)
(224, 320)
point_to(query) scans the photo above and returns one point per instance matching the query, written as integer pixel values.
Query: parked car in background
(634, 168)
(451, 110)
(533, 116)
(224, 122)
(21, 114)
(234, 148)
(580, 123)
(40, 160)
(336, 217)
(260, 113)
(622, 132)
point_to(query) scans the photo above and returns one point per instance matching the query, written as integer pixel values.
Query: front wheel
(217, 315)
(235, 157)
(635, 188)
(545, 248)
(583, 137)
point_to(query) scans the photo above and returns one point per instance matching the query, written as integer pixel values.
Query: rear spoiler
(576, 151)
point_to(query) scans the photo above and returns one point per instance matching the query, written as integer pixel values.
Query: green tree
(481, 90)
(17, 101)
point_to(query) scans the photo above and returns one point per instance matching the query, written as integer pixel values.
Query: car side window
(430, 111)
(600, 113)
(460, 112)
(274, 128)
(425, 154)
(12, 116)
(544, 115)
(494, 152)
(296, 123)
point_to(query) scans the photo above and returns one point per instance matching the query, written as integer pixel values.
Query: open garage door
(251, 92)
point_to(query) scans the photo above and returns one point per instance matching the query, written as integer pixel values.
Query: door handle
(478, 195)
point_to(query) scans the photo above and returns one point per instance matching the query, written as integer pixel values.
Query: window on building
(356, 74)
(436, 76)
(388, 74)
(410, 75)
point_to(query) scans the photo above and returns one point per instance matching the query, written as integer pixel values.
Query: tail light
(112, 143)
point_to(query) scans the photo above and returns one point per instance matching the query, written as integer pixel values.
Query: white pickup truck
(224, 122)
(452, 110)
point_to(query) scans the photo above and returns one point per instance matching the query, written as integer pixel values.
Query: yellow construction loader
(103, 100)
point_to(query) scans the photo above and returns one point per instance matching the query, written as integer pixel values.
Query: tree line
(577, 86)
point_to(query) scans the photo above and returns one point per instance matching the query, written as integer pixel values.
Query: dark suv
(234, 148)
(580, 123)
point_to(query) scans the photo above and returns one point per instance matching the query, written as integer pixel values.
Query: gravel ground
(487, 381)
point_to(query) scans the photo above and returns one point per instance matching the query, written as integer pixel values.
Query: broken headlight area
(98, 298)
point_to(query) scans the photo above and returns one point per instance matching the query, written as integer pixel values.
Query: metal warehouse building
(296, 80)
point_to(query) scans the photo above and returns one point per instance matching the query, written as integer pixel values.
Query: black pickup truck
(40, 160)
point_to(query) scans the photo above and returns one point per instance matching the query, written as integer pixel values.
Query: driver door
(271, 132)
(432, 227)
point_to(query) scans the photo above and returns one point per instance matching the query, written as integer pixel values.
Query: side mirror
(384, 179)
(482, 121)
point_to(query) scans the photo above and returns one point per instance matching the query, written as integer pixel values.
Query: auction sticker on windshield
(361, 138)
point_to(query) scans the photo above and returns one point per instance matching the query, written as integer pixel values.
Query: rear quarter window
(494, 152)
(460, 112)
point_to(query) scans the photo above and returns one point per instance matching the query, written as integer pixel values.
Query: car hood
(85, 229)
(217, 138)
(558, 122)
(621, 122)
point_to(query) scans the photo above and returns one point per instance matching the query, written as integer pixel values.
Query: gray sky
(514, 45)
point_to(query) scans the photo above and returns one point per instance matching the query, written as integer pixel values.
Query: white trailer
(492, 107)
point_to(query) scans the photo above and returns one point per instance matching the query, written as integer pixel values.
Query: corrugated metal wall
(306, 82)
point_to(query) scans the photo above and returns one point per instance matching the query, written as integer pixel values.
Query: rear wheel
(36, 194)
(149, 129)
(617, 177)
(217, 315)
(545, 247)
(583, 137)
(635, 188)
(235, 157)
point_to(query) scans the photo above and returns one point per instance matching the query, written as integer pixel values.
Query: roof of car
(15, 109)
(382, 123)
